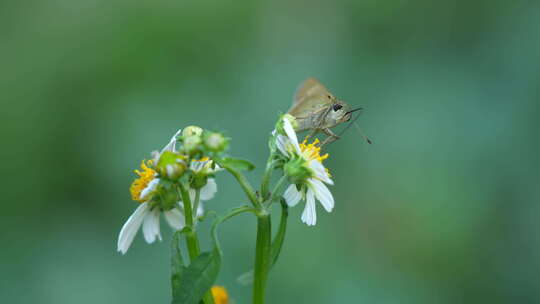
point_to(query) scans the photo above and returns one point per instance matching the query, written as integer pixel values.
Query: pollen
(219, 293)
(145, 176)
(311, 151)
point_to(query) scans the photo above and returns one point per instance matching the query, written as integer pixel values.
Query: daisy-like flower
(147, 215)
(305, 169)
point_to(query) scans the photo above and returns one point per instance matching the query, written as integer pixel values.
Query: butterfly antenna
(353, 122)
(362, 133)
(349, 125)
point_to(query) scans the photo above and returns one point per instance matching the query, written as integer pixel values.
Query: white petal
(151, 226)
(289, 130)
(155, 156)
(209, 190)
(309, 216)
(322, 193)
(292, 196)
(320, 171)
(175, 218)
(171, 146)
(281, 143)
(200, 210)
(149, 188)
(130, 228)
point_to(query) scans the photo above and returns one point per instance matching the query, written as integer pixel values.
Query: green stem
(277, 189)
(262, 255)
(186, 199)
(267, 176)
(191, 237)
(246, 186)
(232, 213)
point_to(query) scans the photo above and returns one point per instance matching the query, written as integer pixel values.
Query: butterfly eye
(337, 106)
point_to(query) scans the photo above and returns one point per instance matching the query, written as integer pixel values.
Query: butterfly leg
(312, 133)
(331, 137)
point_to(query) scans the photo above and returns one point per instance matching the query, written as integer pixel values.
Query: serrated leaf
(197, 278)
(237, 164)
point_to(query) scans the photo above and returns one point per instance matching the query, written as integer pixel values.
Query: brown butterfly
(316, 109)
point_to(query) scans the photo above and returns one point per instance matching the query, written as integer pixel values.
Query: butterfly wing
(311, 97)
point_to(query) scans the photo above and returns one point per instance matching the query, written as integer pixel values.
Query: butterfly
(318, 110)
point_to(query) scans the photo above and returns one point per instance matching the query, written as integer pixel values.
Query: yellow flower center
(219, 293)
(145, 176)
(311, 151)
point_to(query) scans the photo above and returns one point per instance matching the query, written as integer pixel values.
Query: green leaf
(197, 278)
(177, 262)
(236, 163)
(277, 243)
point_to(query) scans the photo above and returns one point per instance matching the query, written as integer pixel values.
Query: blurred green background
(442, 208)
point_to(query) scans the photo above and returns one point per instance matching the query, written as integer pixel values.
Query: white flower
(313, 187)
(148, 213)
(148, 217)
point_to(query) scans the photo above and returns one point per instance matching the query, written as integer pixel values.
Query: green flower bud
(167, 198)
(192, 131)
(296, 171)
(199, 181)
(191, 143)
(215, 142)
(171, 165)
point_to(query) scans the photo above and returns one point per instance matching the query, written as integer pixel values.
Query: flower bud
(168, 196)
(215, 142)
(192, 131)
(191, 143)
(296, 171)
(199, 181)
(171, 165)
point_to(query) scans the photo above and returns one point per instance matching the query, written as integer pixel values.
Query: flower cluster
(302, 165)
(185, 160)
(176, 180)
